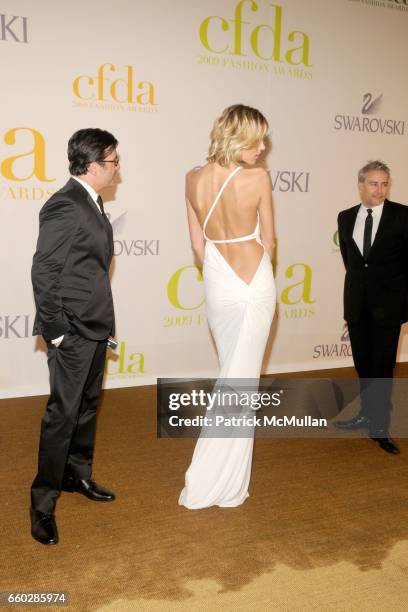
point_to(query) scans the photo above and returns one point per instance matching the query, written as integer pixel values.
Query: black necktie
(368, 230)
(100, 202)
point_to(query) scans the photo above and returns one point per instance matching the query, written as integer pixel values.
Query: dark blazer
(380, 282)
(70, 271)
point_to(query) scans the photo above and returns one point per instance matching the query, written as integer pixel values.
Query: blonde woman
(229, 208)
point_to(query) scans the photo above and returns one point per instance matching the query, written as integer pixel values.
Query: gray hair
(373, 165)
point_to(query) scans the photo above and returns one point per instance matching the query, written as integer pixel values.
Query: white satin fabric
(240, 316)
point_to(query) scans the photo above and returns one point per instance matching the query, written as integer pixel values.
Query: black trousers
(374, 349)
(68, 425)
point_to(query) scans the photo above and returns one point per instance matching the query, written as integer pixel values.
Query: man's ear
(92, 168)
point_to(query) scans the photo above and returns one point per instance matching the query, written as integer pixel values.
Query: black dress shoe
(357, 422)
(388, 445)
(89, 488)
(43, 527)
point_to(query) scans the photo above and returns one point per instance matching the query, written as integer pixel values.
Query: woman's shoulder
(255, 172)
(197, 172)
(257, 175)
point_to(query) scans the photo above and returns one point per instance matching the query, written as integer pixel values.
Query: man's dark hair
(89, 145)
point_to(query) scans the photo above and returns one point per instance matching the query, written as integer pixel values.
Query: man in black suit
(373, 239)
(75, 316)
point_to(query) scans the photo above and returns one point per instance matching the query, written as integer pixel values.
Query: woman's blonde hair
(237, 128)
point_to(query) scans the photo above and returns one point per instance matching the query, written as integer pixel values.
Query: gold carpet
(325, 527)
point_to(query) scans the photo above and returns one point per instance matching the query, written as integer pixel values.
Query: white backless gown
(239, 315)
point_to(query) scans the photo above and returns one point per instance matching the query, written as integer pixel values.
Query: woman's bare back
(236, 213)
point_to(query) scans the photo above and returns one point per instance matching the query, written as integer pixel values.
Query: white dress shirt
(57, 341)
(90, 190)
(358, 232)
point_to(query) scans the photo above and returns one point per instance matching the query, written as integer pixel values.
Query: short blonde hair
(237, 128)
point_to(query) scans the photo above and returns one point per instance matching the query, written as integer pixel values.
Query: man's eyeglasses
(110, 161)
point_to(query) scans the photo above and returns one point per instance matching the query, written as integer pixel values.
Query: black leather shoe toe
(43, 527)
(89, 488)
(357, 422)
(388, 445)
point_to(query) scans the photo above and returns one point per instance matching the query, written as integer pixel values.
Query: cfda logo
(336, 242)
(230, 39)
(114, 88)
(185, 293)
(296, 299)
(23, 160)
(124, 364)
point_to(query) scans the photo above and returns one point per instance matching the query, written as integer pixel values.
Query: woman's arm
(266, 214)
(196, 233)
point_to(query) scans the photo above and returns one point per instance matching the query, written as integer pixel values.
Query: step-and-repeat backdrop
(330, 76)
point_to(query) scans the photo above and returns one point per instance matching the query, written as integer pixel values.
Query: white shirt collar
(94, 195)
(377, 210)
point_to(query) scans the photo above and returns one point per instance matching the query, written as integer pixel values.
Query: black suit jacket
(70, 271)
(379, 283)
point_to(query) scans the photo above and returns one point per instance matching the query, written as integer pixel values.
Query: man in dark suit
(75, 316)
(373, 239)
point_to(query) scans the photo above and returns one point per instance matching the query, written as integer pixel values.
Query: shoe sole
(389, 451)
(69, 490)
(45, 542)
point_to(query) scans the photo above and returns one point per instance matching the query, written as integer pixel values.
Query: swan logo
(345, 336)
(371, 105)
(338, 349)
(118, 224)
(366, 122)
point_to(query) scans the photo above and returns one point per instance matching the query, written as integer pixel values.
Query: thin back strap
(219, 194)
